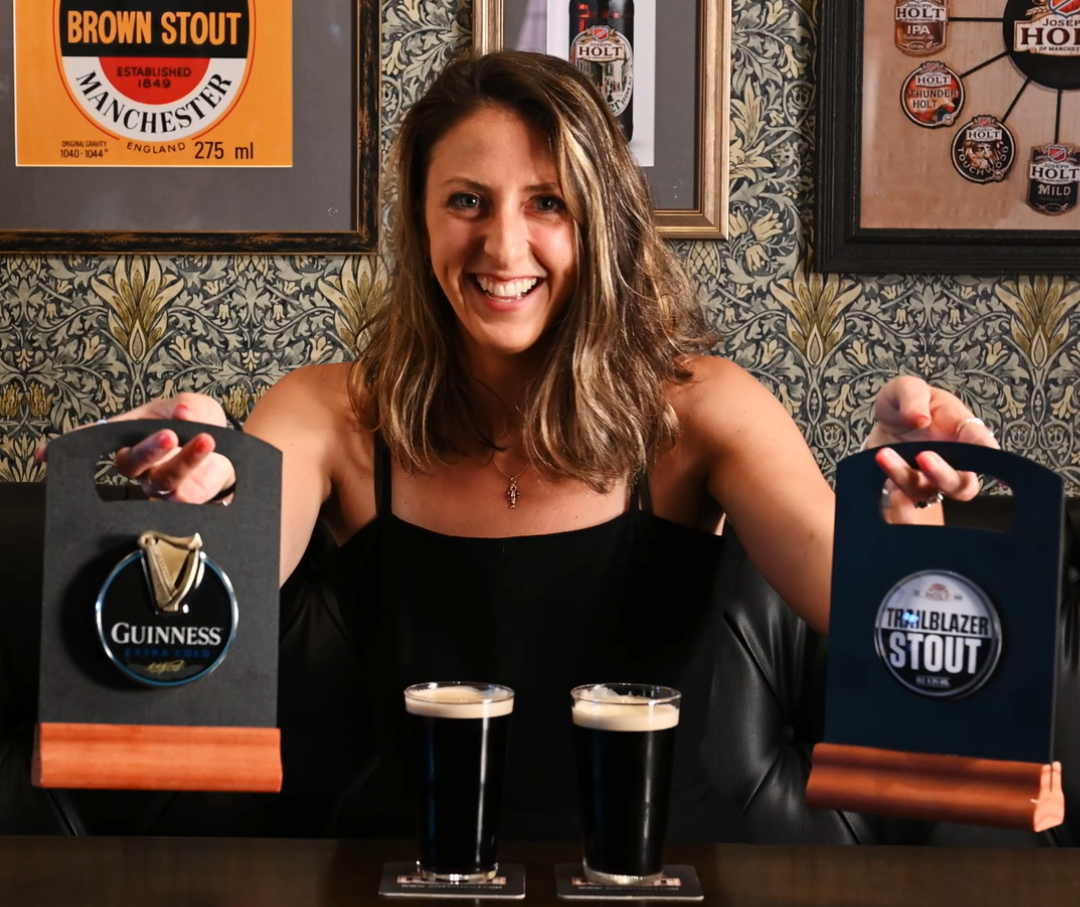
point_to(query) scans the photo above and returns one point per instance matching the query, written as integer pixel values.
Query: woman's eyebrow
(474, 186)
(465, 183)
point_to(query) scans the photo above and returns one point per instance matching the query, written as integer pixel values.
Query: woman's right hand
(192, 473)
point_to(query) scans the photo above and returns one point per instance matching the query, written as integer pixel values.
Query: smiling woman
(514, 197)
(527, 466)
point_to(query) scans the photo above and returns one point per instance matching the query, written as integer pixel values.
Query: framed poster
(668, 85)
(210, 126)
(949, 136)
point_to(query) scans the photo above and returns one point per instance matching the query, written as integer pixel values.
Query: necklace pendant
(512, 493)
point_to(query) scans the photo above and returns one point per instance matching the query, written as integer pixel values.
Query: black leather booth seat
(769, 693)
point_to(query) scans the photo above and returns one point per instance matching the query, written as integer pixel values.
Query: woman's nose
(506, 238)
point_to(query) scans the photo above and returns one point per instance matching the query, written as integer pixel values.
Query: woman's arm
(758, 467)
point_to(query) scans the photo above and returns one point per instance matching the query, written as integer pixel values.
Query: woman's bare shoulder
(314, 394)
(309, 410)
(715, 382)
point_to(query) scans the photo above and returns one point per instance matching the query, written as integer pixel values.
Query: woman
(527, 467)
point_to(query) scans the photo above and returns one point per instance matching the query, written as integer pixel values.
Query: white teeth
(510, 289)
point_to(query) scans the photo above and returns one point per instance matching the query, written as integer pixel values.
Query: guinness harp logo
(170, 620)
(172, 565)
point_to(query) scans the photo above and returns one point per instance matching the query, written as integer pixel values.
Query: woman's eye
(465, 201)
(550, 203)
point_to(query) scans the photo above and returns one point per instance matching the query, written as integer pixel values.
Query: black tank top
(630, 599)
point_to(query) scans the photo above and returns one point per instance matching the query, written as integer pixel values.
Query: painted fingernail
(181, 411)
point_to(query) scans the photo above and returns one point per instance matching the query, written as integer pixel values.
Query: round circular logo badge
(1042, 38)
(607, 58)
(984, 150)
(932, 95)
(166, 615)
(158, 73)
(938, 634)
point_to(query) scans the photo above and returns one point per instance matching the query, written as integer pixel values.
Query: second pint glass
(624, 734)
(461, 732)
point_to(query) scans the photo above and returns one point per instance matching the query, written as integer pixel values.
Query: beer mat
(402, 880)
(679, 883)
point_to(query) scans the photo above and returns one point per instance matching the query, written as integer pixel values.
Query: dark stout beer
(625, 741)
(461, 733)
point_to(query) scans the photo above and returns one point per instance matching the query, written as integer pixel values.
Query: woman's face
(500, 238)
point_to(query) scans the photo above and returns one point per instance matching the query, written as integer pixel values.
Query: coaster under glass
(403, 880)
(676, 883)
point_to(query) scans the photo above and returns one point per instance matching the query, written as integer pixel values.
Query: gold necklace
(512, 493)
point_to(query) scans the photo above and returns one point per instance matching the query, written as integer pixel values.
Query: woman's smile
(506, 294)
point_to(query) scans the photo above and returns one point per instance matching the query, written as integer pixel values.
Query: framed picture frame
(253, 129)
(679, 102)
(948, 136)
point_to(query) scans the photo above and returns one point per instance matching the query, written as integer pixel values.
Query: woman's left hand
(909, 409)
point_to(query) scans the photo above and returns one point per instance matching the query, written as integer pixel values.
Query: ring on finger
(972, 420)
(149, 489)
(930, 502)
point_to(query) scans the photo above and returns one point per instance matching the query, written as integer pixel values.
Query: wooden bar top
(164, 872)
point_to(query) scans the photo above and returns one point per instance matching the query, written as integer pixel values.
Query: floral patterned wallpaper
(81, 337)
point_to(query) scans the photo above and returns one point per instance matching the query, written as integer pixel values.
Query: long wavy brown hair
(597, 410)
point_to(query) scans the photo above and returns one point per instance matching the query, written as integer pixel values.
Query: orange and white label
(160, 83)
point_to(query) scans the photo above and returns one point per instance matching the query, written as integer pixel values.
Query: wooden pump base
(157, 757)
(1022, 795)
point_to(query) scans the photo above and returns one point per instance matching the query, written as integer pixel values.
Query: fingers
(903, 405)
(962, 486)
(178, 407)
(186, 407)
(974, 431)
(185, 475)
(901, 508)
(933, 475)
(148, 453)
(192, 474)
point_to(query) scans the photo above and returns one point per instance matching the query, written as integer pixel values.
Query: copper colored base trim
(1022, 795)
(157, 757)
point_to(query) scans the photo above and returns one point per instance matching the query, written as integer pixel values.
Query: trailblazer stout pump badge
(938, 634)
(944, 644)
(167, 614)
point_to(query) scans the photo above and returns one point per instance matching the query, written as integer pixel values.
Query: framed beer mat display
(666, 78)
(949, 136)
(217, 126)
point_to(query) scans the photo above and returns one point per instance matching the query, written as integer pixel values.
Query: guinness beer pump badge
(943, 651)
(167, 614)
(140, 599)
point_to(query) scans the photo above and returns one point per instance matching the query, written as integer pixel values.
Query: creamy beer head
(459, 700)
(625, 707)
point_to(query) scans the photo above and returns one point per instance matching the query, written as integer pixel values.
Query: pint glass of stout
(625, 740)
(461, 732)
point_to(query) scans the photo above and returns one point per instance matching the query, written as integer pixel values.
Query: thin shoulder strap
(383, 496)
